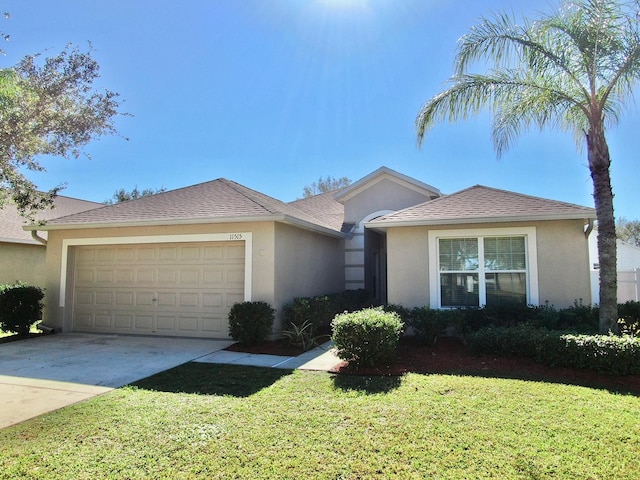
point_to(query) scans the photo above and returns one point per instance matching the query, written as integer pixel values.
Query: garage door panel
(188, 324)
(145, 253)
(145, 276)
(104, 255)
(85, 276)
(123, 322)
(166, 323)
(124, 299)
(125, 276)
(190, 277)
(102, 321)
(145, 299)
(168, 253)
(214, 324)
(163, 289)
(143, 322)
(104, 276)
(167, 277)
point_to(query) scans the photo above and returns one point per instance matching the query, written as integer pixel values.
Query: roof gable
(384, 173)
(480, 204)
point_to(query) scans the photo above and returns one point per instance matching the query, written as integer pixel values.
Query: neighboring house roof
(11, 222)
(480, 204)
(217, 201)
(380, 174)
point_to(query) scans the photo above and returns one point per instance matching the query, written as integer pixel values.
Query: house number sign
(236, 236)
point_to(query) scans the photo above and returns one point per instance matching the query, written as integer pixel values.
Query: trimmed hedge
(251, 322)
(320, 310)
(427, 324)
(368, 337)
(607, 354)
(20, 307)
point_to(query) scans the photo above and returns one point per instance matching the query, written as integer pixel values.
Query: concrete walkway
(320, 358)
(44, 374)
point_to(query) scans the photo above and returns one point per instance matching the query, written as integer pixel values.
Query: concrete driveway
(42, 374)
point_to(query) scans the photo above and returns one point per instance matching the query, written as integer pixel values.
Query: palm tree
(574, 69)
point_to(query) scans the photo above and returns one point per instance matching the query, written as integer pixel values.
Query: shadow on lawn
(213, 379)
(367, 384)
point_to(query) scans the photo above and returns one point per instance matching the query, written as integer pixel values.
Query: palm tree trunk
(599, 163)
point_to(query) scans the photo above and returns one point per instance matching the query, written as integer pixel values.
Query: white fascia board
(164, 222)
(152, 223)
(20, 241)
(469, 221)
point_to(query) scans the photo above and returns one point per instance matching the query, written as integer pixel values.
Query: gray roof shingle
(11, 222)
(484, 204)
(217, 200)
(323, 207)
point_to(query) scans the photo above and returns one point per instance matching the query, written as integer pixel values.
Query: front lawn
(222, 421)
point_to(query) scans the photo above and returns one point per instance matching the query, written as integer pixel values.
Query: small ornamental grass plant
(368, 337)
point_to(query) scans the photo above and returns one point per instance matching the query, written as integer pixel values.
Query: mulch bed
(450, 356)
(277, 347)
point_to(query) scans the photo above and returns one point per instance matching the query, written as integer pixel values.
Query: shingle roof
(323, 207)
(11, 222)
(218, 200)
(482, 204)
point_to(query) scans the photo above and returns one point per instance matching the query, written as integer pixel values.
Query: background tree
(324, 185)
(48, 106)
(123, 195)
(575, 69)
(628, 231)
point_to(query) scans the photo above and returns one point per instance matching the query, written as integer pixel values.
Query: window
(491, 267)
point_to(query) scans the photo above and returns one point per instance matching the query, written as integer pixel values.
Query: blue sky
(276, 93)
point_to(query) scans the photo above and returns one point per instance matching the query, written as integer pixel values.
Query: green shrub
(367, 337)
(250, 322)
(321, 309)
(607, 354)
(20, 307)
(521, 340)
(403, 312)
(579, 318)
(427, 324)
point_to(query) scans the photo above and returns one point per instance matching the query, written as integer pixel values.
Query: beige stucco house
(22, 256)
(174, 263)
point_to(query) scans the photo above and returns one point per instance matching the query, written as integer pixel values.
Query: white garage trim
(246, 237)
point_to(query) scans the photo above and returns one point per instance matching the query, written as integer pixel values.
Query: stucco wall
(384, 195)
(262, 272)
(306, 263)
(563, 262)
(22, 262)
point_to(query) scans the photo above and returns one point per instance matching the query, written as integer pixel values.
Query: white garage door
(182, 289)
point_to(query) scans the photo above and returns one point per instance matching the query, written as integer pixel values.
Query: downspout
(587, 231)
(38, 238)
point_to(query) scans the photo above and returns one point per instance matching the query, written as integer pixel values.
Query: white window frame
(531, 251)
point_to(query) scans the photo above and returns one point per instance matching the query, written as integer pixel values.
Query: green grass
(220, 421)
